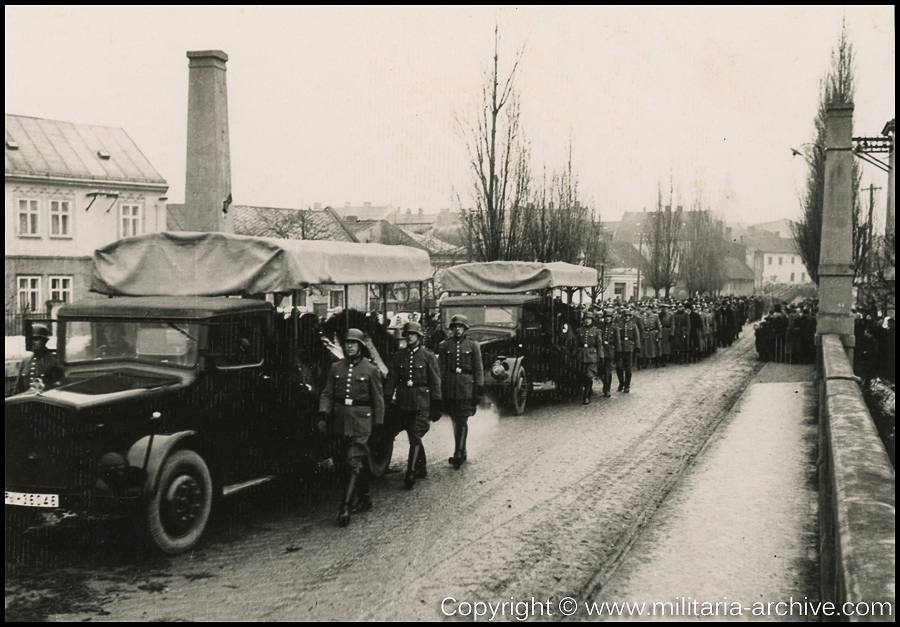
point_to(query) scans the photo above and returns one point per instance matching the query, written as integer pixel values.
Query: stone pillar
(207, 193)
(836, 253)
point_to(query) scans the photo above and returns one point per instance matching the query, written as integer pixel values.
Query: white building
(70, 189)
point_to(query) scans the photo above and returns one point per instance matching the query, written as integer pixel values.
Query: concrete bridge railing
(856, 491)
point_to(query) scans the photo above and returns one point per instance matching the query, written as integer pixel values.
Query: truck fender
(517, 364)
(162, 446)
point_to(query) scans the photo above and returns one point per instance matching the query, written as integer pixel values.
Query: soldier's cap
(413, 327)
(589, 315)
(459, 319)
(40, 330)
(355, 335)
(607, 313)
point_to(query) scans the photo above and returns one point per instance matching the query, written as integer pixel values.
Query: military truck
(521, 314)
(186, 385)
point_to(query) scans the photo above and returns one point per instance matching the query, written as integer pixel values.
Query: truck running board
(237, 487)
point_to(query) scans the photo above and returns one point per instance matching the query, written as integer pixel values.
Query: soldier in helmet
(415, 380)
(351, 403)
(462, 378)
(589, 349)
(41, 370)
(629, 343)
(609, 347)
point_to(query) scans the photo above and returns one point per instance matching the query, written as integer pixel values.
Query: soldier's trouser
(623, 368)
(605, 372)
(354, 453)
(588, 372)
(416, 424)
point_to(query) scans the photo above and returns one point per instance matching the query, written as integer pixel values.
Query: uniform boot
(462, 456)
(621, 376)
(364, 498)
(453, 459)
(349, 491)
(414, 452)
(607, 384)
(627, 381)
(422, 464)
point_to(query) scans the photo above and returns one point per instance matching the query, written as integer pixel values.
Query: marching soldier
(609, 345)
(629, 342)
(415, 379)
(589, 348)
(41, 370)
(462, 378)
(351, 403)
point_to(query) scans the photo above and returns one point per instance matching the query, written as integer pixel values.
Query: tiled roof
(35, 146)
(623, 255)
(436, 246)
(735, 269)
(275, 222)
(769, 243)
(366, 212)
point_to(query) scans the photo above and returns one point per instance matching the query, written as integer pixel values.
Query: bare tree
(498, 158)
(664, 245)
(838, 86)
(703, 257)
(290, 224)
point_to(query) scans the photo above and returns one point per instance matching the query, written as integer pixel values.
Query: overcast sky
(338, 105)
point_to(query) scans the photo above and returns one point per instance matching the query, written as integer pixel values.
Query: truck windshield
(484, 315)
(158, 342)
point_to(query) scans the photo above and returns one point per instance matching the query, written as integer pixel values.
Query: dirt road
(545, 509)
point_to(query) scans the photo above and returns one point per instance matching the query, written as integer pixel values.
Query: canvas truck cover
(510, 277)
(222, 264)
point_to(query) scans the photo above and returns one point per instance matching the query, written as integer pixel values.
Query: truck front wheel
(179, 510)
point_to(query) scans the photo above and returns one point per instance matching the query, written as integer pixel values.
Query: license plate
(32, 500)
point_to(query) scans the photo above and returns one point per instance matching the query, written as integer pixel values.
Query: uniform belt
(424, 384)
(353, 403)
(462, 371)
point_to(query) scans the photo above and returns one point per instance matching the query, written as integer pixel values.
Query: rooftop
(52, 148)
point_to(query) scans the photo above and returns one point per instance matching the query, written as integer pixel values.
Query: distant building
(70, 189)
(739, 278)
(774, 259)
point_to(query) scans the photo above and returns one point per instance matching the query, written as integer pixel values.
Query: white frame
(28, 290)
(135, 221)
(68, 213)
(36, 213)
(69, 290)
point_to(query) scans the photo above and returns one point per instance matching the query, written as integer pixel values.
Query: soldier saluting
(462, 378)
(589, 348)
(416, 381)
(351, 403)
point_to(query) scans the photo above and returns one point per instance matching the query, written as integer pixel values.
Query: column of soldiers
(656, 335)
(420, 387)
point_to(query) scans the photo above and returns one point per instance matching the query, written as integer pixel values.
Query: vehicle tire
(179, 510)
(381, 450)
(518, 392)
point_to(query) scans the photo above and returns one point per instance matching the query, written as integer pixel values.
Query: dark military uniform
(629, 341)
(414, 384)
(38, 372)
(462, 383)
(353, 401)
(588, 351)
(609, 346)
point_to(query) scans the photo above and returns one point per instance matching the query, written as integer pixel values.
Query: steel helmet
(413, 327)
(355, 335)
(460, 320)
(40, 330)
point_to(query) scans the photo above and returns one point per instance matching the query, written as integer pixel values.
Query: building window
(130, 220)
(781, 261)
(802, 277)
(619, 290)
(28, 218)
(29, 292)
(792, 277)
(770, 260)
(60, 218)
(792, 260)
(337, 298)
(61, 288)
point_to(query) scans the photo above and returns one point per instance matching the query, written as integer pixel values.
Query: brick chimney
(207, 193)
